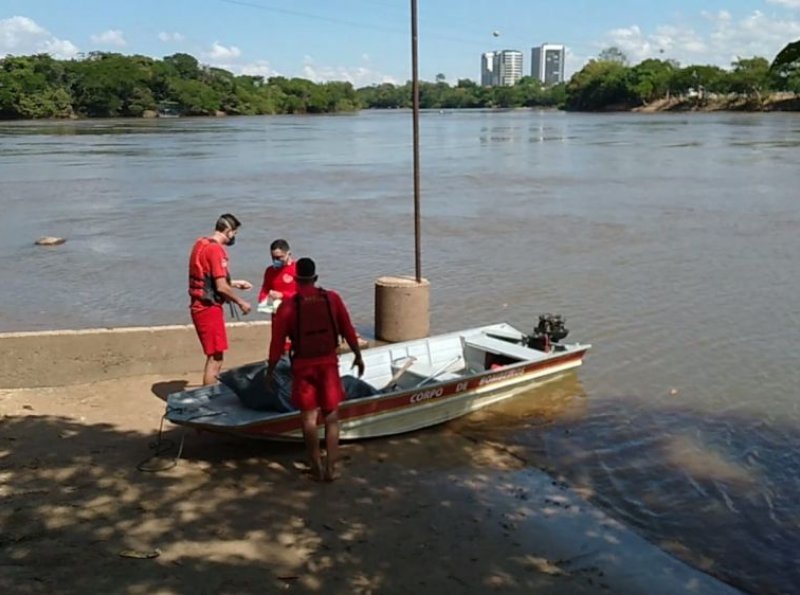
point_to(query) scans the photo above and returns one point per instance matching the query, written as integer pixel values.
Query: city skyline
(506, 67)
(368, 41)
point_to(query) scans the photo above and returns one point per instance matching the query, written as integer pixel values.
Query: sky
(368, 41)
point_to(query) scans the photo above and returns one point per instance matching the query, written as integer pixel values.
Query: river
(669, 241)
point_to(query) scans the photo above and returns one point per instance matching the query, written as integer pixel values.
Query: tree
(650, 80)
(712, 79)
(33, 87)
(751, 77)
(788, 56)
(184, 65)
(110, 85)
(440, 78)
(613, 54)
(600, 85)
(785, 68)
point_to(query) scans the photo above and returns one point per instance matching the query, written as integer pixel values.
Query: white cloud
(573, 62)
(359, 76)
(667, 41)
(723, 40)
(170, 37)
(111, 37)
(257, 68)
(228, 58)
(221, 52)
(787, 3)
(22, 36)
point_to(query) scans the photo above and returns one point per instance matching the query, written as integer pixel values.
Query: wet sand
(432, 511)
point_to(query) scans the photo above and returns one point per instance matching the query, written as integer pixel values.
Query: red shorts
(210, 325)
(317, 386)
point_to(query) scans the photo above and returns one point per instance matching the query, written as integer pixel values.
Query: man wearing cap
(210, 286)
(313, 320)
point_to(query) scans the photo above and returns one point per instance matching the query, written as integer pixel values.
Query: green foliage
(613, 54)
(33, 87)
(785, 68)
(385, 96)
(601, 85)
(110, 85)
(651, 80)
(788, 57)
(751, 77)
(465, 94)
(610, 84)
(113, 85)
(711, 79)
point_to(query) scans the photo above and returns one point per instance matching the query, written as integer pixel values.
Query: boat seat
(422, 371)
(500, 347)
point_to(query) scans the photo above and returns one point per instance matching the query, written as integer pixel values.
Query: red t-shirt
(208, 259)
(285, 320)
(281, 279)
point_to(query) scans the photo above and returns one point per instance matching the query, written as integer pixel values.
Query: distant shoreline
(774, 102)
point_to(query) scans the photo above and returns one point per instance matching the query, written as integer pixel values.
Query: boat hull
(409, 410)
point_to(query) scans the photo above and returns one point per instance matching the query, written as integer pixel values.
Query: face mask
(277, 263)
(231, 240)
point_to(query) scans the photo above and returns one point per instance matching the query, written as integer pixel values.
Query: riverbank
(433, 511)
(774, 102)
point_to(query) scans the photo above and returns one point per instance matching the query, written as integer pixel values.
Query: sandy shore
(430, 512)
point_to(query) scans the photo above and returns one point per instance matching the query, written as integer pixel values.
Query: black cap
(306, 269)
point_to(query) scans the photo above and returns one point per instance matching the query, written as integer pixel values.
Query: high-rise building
(508, 66)
(547, 63)
(487, 69)
(501, 68)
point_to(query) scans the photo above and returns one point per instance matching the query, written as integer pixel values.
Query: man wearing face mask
(210, 286)
(279, 278)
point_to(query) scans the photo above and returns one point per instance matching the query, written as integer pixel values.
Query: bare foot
(330, 472)
(315, 470)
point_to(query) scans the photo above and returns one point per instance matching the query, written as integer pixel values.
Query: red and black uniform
(313, 319)
(279, 279)
(207, 263)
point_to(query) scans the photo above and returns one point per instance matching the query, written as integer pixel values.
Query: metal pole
(415, 117)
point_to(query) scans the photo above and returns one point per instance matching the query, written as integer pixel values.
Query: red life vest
(315, 333)
(202, 284)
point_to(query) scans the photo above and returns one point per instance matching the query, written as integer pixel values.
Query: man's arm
(280, 328)
(216, 265)
(224, 289)
(266, 285)
(347, 331)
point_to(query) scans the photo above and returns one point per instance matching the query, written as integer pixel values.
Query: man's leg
(331, 444)
(311, 437)
(210, 325)
(212, 368)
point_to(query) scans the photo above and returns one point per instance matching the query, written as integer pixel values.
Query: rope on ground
(161, 446)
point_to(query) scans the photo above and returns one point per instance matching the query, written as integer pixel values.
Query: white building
(487, 69)
(547, 63)
(501, 68)
(508, 67)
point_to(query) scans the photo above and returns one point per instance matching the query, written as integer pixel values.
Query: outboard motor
(550, 330)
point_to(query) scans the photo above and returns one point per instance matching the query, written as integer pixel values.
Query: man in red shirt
(313, 320)
(210, 286)
(279, 283)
